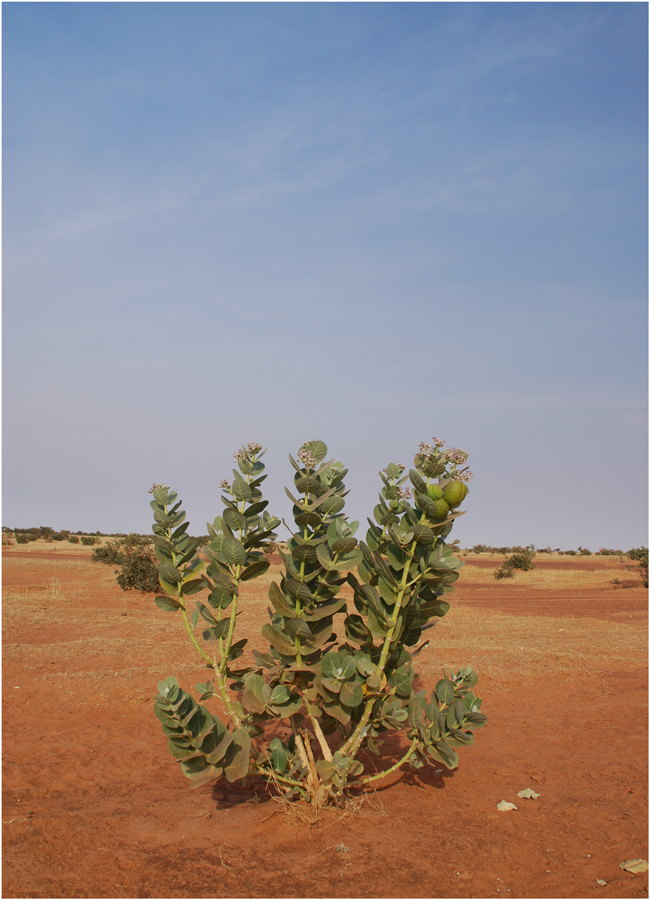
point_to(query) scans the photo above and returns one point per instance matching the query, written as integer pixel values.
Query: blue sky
(369, 223)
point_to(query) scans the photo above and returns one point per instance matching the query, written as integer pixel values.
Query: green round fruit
(455, 493)
(441, 507)
(434, 491)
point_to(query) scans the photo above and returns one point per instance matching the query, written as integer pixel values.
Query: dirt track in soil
(94, 806)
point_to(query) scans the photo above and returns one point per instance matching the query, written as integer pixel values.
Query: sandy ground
(94, 805)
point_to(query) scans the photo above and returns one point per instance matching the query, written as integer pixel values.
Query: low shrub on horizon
(134, 554)
(639, 555)
(521, 559)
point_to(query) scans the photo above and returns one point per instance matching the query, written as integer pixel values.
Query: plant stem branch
(390, 771)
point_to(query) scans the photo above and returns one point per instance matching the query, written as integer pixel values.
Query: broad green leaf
(217, 631)
(332, 506)
(348, 560)
(207, 776)
(234, 519)
(387, 590)
(365, 666)
(278, 759)
(162, 518)
(290, 708)
(193, 587)
(445, 691)
(351, 694)
(324, 558)
(205, 613)
(311, 519)
(280, 601)
(233, 551)
(324, 609)
(280, 641)
(325, 769)
(298, 590)
(280, 694)
(256, 509)
(344, 545)
(349, 667)
(240, 489)
(308, 484)
(254, 570)
(237, 765)
(169, 572)
(299, 628)
(168, 604)
(331, 664)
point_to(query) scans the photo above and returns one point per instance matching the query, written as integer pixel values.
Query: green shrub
(22, 539)
(73, 539)
(505, 570)
(58, 537)
(135, 555)
(522, 559)
(88, 540)
(323, 696)
(639, 555)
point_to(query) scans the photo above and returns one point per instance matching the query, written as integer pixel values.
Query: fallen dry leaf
(601, 882)
(504, 806)
(634, 865)
(527, 794)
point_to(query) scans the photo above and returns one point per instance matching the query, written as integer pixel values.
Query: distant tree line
(581, 551)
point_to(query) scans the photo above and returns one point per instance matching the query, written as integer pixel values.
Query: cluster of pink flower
(453, 455)
(158, 484)
(252, 447)
(225, 484)
(306, 457)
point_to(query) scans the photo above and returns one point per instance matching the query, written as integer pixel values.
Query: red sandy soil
(94, 805)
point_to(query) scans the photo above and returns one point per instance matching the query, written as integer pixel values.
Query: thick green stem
(221, 684)
(353, 743)
(231, 630)
(398, 606)
(390, 771)
(271, 775)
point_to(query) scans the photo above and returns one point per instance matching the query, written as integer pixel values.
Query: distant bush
(58, 537)
(640, 556)
(22, 539)
(137, 559)
(73, 539)
(88, 540)
(522, 558)
(584, 551)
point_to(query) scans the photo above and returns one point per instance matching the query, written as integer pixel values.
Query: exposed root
(297, 812)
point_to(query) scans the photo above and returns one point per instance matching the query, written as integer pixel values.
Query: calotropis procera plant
(336, 696)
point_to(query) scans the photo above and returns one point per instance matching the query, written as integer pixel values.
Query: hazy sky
(367, 223)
